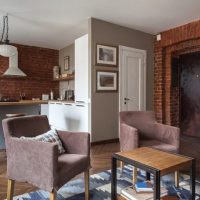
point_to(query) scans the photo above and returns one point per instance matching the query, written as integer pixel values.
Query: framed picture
(107, 55)
(66, 63)
(106, 81)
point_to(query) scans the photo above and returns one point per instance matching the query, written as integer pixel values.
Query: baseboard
(115, 140)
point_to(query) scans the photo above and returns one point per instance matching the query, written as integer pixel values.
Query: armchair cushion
(158, 145)
(69, 165)
(50, 136)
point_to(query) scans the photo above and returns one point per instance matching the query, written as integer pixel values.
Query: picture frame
(66, 63)
(106, 81)
(106, 55)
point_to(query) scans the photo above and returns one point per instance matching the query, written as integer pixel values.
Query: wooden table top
(163, 161)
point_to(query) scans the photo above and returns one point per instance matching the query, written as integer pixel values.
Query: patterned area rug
(100, 187)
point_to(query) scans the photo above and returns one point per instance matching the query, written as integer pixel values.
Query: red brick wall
(177, 41)
(38, 64)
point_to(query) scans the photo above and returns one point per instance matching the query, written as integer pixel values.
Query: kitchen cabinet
(69, 116)
(45, 109)
(82, 86)
(75, 116)
(56, 116)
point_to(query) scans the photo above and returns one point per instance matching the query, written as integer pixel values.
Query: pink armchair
(139, 128)
(39, 163)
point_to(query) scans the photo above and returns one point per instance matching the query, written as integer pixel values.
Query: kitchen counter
(61, 101)
(23, 102)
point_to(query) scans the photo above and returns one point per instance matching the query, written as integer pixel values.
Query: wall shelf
(65, 78)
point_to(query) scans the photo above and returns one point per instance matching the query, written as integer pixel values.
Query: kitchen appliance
(45, 97)
(69, 95)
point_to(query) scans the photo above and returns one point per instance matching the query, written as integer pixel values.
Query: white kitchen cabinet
(45, 109)
(56, 116)
(76, 117)
(82, 85)
(69, 116)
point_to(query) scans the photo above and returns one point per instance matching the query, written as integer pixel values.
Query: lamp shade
(7, 50)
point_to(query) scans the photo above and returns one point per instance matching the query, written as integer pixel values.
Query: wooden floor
(100, 160)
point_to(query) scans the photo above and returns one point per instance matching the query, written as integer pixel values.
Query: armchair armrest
(128, 137)
(75, 142)
(168, 134)
(32, 161)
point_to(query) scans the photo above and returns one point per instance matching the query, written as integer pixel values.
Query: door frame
(144, 52)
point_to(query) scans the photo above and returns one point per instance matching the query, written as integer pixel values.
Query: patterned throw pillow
(50, 136)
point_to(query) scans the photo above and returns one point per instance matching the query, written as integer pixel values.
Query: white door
(132, 79)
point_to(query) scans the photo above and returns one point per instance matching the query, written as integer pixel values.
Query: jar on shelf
(56, 72)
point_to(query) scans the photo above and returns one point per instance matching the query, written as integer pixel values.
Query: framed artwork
(66, 63)
(106, 55)
(106, 81)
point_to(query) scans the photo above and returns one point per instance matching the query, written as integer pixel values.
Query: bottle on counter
(22, 96)
(51, 95)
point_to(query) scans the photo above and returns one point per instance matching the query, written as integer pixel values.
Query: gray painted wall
(105, 105)
(67, 51)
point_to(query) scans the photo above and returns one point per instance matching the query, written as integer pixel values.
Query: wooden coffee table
(156, 162)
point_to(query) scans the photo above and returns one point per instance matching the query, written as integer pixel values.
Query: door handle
(126, 99)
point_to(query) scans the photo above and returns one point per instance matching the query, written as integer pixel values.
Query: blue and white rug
(100, 187)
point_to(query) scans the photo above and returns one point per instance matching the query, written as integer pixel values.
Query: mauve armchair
(139, 128)
(39, 163)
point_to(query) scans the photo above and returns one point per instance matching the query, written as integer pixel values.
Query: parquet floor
(100, 160)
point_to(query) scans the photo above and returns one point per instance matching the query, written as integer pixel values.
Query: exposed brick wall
(38, 64)
(177, 41)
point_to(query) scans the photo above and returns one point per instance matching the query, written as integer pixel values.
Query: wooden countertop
(61, 101)
(23, 102)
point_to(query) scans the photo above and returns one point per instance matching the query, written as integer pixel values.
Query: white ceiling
(56, 23)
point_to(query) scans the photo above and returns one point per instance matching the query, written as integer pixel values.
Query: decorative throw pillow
(50, 136)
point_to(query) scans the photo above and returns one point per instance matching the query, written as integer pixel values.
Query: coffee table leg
(176, 178)
(114, 179)
(192, 179)
(157, 185)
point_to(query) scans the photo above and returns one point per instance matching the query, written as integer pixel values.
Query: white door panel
(132, 79)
